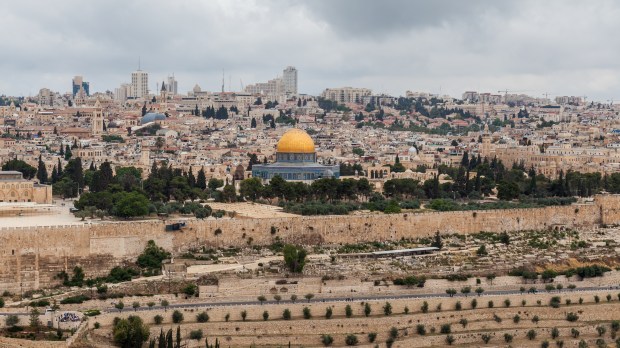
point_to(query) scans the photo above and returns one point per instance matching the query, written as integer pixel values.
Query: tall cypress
(42, 172)
(201, 180)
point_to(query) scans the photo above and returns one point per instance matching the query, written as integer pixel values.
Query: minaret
(485, 147)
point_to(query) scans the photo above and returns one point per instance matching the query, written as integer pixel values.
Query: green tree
(177, 317)
(130, 204)
(130, 332)
(367, 309)
(27, 170)
(229, 194)
(294, 258)
(507, 190)
(42, 172)
(152, 256)
(387, 308)
(251, 188)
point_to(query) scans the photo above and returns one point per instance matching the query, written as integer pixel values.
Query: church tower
(96, 121)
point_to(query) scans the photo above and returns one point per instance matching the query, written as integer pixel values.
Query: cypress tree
(54, 174)
(178, 345)
(60, 172)
(68, 153)
(42, 172)
(201, 180)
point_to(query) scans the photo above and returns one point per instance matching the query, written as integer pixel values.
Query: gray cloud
(560, 47)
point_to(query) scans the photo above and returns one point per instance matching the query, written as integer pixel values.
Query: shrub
(474, 304)
(286, 314)
(555, 301)
(348, 311)
(458, 306)
(535, 319)
(497, 318)
(420, 329)
(574, 332)
(158, 319)
(445, 329)
(327, 340)
(544, 344)
(328, 313)
(450, 339)
(531, 335)
(387, 308)
(508, 337)
(307, 314)
(597, 299)
(372, 336)
(195, 334)
(74, 299)
(424, 307)
(516, 319)
(601, 330)
(406, 310)
(490, 304)
(265, 315)
(202, 317)
(393, 332)
(177, 317)
(367, 310)
(507, 303)
(350, 340)
(463, 322)
(572, 317)
(244, 315)
(486, 338)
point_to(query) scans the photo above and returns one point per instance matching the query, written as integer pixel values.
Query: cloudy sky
(558, 47)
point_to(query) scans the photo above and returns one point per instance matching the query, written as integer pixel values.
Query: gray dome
(151, 117)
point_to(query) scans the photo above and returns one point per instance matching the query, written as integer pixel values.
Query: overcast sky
(558, 47)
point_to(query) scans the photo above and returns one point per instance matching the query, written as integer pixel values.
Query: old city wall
(31, 257)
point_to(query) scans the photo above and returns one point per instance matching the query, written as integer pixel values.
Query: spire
(163, 86)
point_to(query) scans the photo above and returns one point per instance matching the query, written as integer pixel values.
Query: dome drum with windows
(295, 160)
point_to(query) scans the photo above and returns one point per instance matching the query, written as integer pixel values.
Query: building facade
(139, 84)
(346, 94)
(289, 78)
(15, 189)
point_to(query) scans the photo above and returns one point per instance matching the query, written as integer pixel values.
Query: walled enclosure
(31, 257)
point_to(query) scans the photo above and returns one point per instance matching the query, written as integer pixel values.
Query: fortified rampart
(31, 257)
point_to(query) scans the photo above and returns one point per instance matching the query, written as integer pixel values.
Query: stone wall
(31, 257)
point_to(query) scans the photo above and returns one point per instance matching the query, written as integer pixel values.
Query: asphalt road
(347, 299)
(361, 298)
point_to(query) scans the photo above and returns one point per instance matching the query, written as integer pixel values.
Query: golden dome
(296, 141)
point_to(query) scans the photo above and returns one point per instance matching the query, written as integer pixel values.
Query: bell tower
(96, 121)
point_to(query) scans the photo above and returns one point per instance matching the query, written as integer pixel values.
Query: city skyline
(445, 47)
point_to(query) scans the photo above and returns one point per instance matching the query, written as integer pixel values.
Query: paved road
(348, 299)
(362, 298)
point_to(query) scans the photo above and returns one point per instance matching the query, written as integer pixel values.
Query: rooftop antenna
(138, 63)
(222, 80)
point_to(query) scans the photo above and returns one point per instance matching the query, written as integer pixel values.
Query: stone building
(14, 188)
